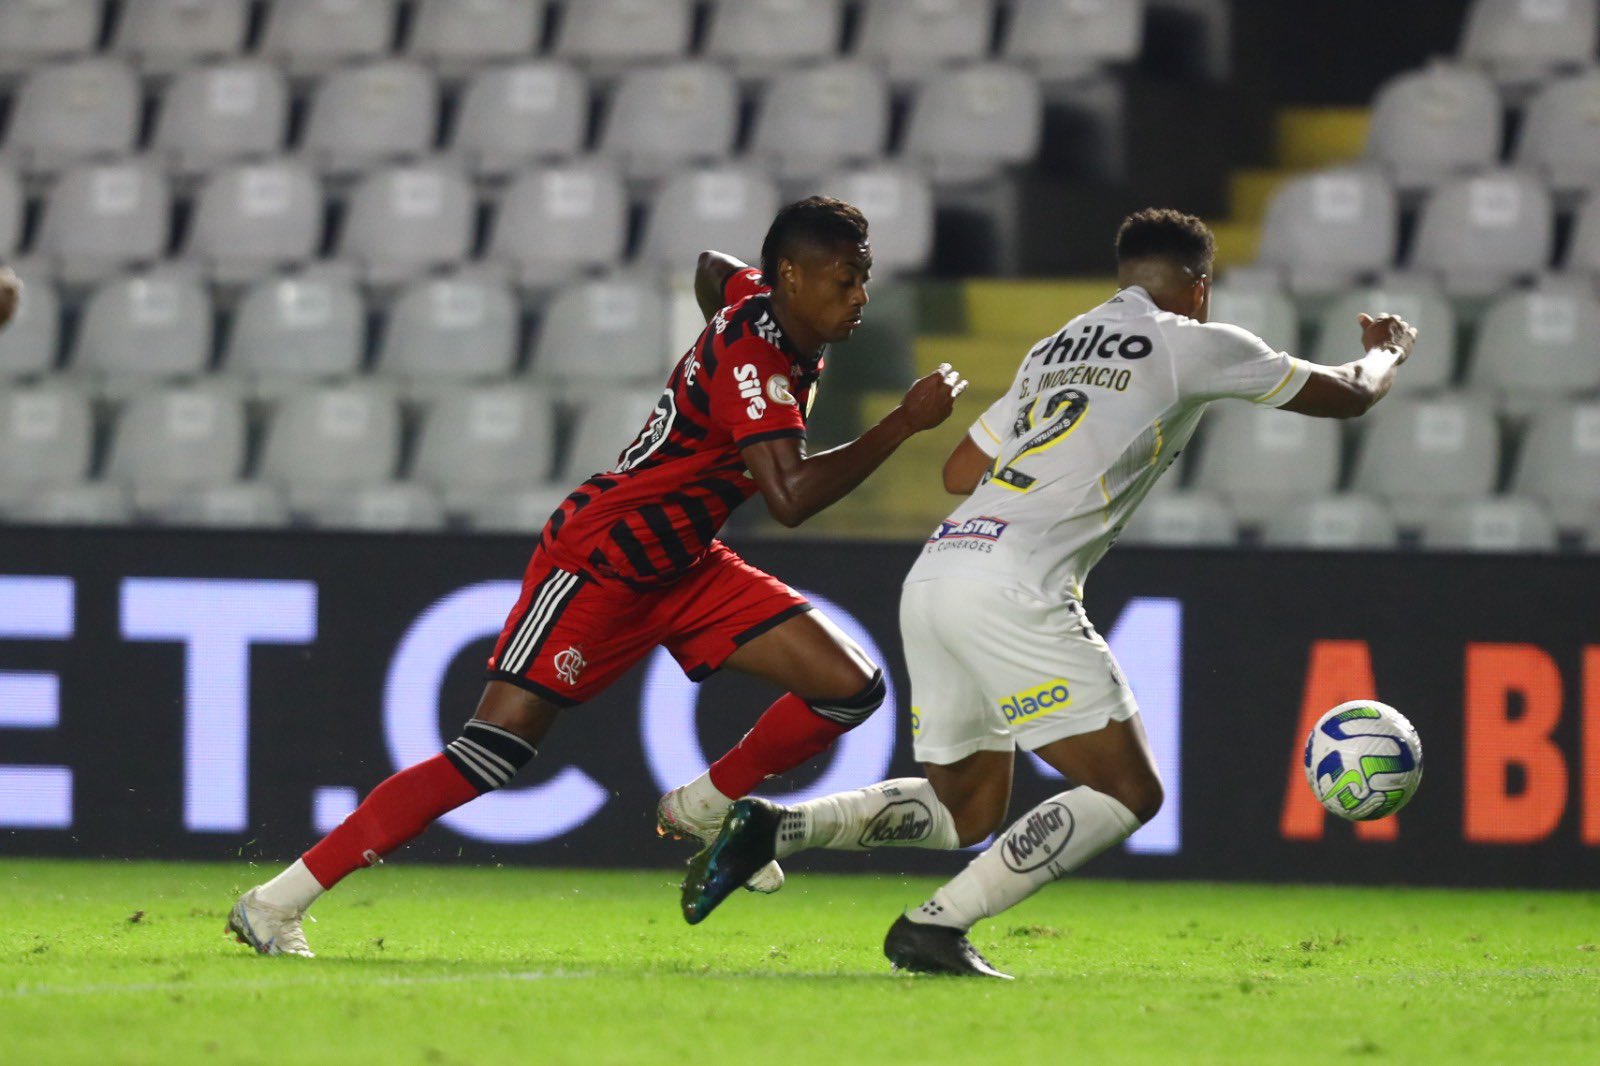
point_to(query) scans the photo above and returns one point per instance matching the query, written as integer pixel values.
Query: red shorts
(571, 635)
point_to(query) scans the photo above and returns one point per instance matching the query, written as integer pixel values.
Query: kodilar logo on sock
(1039, 840)
(1033, 703)
(899, 822)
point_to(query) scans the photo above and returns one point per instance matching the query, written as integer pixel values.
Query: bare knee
(977, 821)
(1141, 794)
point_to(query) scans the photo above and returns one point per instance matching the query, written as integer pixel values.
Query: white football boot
(270, 930)
(674, 822)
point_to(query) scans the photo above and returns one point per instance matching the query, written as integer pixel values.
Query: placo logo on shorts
(980, 528)
(749, 379)
(1039, 840)
(1034, 703)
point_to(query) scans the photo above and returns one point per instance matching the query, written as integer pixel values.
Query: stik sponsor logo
(898, 823)
(1030, 846)
(749, 379)
(980, 528)
(1034, 703)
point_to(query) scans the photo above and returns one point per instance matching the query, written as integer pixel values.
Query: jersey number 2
(1039, 430)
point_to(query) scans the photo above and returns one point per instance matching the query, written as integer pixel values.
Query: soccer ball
(1363, 760)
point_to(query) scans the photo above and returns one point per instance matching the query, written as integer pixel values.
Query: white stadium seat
(1491, 524)
(607, 423)
(449, 330)
(1583, 250)
(1329, 229)
(1420, 455)
(1342, 522)
(1483, 233)
(101, 218)
(1432, 365)
(514, 115)
(456, 37)
(1433, 124)
(1256, 458)
(390, 508)
(81, 504)
(35, 31)
(608, 36)
(1559, 463)
(969, 124)
(1536, 346)
(479, 443)
(662, 118)
(1521, 42)
(365, 116)
(1269, 313)
(216, 115)
(909, 39)
(143, 329)
(237, 505)
(404, 221)
(73, 111)
(554, 223)
(13, 204)
(46, 440)
(822, 117)
(1073, 39)
(1560, 134)
(754, 36)
(254, 219)
(602, 331)
(166, 35)
(312, 36)
(727, 208)
(324, 443)
(170, 441)
(288, 332)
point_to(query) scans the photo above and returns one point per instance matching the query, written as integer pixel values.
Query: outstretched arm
(797, 486)
(711, 274)
(1351, 390)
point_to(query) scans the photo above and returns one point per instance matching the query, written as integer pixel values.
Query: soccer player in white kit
(1000, 652)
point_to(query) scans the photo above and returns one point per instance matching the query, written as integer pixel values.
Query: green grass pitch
(106, 963)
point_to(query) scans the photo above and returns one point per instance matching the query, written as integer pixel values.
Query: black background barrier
(212, 695)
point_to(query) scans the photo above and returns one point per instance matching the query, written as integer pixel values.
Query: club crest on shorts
(569, 664)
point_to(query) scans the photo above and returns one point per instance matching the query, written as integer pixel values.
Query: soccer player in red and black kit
(630, 561)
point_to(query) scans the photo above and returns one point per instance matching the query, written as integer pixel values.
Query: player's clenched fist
(10, 295)
(1387, 331)
(930, 401)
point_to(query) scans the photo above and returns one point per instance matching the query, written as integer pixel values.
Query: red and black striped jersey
(656, 513)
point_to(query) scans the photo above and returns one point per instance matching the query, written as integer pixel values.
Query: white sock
(295, 888)
(701, 800)
(902, 813)
(1056, 837)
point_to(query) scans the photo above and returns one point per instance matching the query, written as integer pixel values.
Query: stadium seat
(13, 204)
(212, 116)
(521, 511)
(1483, 233)
(255, 219)
(365, 116)
(455, 329)
(1066, 39)
(312, 36)
(898, 204)
(81, 504)
(1266, 312)
(967, 125)
(406, 220)
(1559, 463)
(1181, 519)
(1491, 524)
(73, 111)
(391, 508)
(479, 443)
(143, 329)
(727, 208)
(28, 345)
(170, 441)
(102, 218)
(557, 222)
(455, 38)
(909, 39)
(822, 117)
(1560, 134)
(1344, 522)
(594, 332)
(1328, 230)
(288, 332)
(1433, 124)
(322, 443)
(511, 116)
(240, 505)
(36, 31)
(662, 118)
(608, 36)
(1257, 458)
(1520, 42)
(1432, 364)
(46, 440)
(1422, 454)
(607, 423)
(1583, 251)
(1536, 346)
(166, 35)
(752, 36)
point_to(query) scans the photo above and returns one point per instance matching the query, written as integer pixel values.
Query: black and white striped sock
(488, 756)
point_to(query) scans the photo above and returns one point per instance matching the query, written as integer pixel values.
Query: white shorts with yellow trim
(994, 669)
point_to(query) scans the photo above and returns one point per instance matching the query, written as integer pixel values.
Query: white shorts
(993, 668)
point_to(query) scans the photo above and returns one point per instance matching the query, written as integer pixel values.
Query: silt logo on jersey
(1033, 703)
(980, 528)
(749, 379)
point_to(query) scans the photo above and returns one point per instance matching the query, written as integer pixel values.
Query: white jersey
(1095, 415)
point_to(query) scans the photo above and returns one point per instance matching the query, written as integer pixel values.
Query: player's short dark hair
(1162, 233)
(816, 220)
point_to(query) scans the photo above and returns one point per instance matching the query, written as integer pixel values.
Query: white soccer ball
(1363, 760)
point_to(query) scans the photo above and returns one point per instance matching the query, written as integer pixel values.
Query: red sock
(787, 734)
(394, 812)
